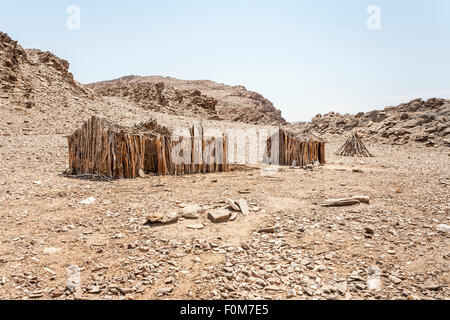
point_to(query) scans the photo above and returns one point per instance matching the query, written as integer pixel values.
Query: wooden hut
(300, 149)
(103, 148)
(100, 147)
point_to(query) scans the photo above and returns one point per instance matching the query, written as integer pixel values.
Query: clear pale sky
(305, 56)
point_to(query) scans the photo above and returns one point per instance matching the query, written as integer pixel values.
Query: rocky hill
(38, 95)
(234, 103)
(160, 97)
(28, 75)
(418, 121)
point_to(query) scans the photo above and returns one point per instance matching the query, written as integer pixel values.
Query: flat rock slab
(267, 230)
(219, 215)
(198, 226)
(167, 218)
(190, 215)
(192, 208)
(362, 199)
(243, 205)
(443, 228)
(192, 211)
(233, 216)
(345, 201)
(233, 204)
(88, 201)
(51, 250)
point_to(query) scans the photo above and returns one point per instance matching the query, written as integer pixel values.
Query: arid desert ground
(72, 238)
(287, 247)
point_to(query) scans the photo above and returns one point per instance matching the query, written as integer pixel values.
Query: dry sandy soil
(388, 249)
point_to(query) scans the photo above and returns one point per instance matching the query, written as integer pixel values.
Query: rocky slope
(27, 76)
(37, 92)
(234, 103)
(160, 97)
(38, 95)
(418, 121)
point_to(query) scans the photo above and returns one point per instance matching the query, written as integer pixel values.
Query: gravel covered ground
(395, 247)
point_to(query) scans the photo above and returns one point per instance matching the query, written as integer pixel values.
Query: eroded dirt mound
(234, 103)
(416, 121)
(162, 98)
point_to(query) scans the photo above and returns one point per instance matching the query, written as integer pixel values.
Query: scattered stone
(291, 293)
(267, 230)
(36, 294)
(374, 283)
(144, 249)
(88, 201)
(362, 199)
(339, 202)
(73, 283)
(308, 290)
(169, 280)
(244, 206)
(197, 226)
(360, 286)
(431, 286)
(94, 290)
(443, 228)
(51, 250)
(273, 288)
(219, 215)
(167, 218)
(233, 204)
(50, 271)
(55, 293)
(233, 216)
(341, 287)
(394, 279)
(374, 270)
(328, 256)
(165, 290)
(191, 211)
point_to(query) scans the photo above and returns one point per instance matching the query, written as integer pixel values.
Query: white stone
(51, 250)
(195, 226)
(374, 283)
(88, 201)
(443, 228)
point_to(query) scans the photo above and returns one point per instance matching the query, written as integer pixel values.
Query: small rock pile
(195, 211)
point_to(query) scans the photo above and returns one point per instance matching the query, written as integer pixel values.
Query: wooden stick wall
(299, 151)
(99, 147)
